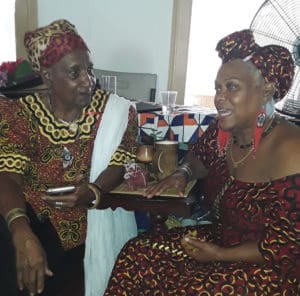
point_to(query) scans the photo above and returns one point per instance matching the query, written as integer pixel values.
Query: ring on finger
(58, 204)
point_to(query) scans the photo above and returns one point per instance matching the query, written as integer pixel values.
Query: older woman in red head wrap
(67, 137)
(250, 160)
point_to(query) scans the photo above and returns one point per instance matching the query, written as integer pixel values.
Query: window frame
(181, 22)
(26, 18)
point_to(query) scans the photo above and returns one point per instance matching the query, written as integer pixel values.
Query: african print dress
(264, 212)
(49, 153)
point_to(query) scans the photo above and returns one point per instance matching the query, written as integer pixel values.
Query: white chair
(135, 86)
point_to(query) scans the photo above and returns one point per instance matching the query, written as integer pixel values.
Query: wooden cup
(165, 158)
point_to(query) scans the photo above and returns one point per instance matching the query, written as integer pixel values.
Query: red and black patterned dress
(48, 153)
(267, 212)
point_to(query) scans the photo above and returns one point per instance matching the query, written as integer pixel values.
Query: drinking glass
(109, 83)
(168, 100)
(145, 155)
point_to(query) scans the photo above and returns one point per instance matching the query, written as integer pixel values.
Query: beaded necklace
(241, 146)
(266, 131)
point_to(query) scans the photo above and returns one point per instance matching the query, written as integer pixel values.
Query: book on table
(171, 192)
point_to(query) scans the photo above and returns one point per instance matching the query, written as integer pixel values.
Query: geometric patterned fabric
(183, 126)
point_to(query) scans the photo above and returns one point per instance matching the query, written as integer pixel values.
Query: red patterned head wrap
(274, 62)
(45, 46)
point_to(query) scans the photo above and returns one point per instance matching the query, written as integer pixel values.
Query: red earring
(223, 139)
(259, 128)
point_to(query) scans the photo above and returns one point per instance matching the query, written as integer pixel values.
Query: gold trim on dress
(58, 132)
(14, 163)
(121, 157)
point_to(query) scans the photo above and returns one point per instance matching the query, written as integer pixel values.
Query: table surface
(158, 207)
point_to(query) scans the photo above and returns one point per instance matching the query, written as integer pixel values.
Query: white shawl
(107, 230)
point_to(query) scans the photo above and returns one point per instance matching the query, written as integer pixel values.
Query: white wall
(123, 35)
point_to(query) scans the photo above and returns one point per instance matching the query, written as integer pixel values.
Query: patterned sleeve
(280, 244)
(206, 147)
(14, 140)
(126, 151)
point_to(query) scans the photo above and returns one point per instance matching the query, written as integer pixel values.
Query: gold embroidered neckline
(73, 125)
(60, 132)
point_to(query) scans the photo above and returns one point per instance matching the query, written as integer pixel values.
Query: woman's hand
(31, 261)
(178, 180)
(201, 250)
(81, 197)
(204, 251)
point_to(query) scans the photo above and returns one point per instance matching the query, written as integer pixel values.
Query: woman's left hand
(201, 250)
(81, 197)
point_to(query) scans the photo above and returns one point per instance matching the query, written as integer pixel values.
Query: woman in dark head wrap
(65, 136)
(250, 160)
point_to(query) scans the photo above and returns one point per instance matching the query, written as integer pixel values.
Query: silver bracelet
(187, 169)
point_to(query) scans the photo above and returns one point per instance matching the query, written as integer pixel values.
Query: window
(16, 17)
(206, 22)
(26, 19)
(7, 31)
